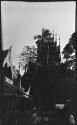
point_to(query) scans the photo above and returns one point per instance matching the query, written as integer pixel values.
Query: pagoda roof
(12, 90)
(9, 90)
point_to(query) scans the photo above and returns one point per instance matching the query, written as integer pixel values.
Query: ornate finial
(55, 37)
(59, 38)
(59, 50)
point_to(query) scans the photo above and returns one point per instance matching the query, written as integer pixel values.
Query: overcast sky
(21, 21)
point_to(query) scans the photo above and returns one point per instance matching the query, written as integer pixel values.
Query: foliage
(28, 54)
(28, 63)
(73, 40)
(29, 76)
(69, 52)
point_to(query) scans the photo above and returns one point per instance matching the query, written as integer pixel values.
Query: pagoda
(48, 52)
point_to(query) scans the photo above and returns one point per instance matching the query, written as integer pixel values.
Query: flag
(8, 61)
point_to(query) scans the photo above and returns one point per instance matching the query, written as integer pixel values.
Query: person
(35, 117)
(72, 119)
(67, 109)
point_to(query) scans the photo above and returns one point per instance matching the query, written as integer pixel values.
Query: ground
(52, 118)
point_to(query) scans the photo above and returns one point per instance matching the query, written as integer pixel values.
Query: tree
(28, 63)
(28, 54)
(73, 40)
(69, 52)
(29, 76)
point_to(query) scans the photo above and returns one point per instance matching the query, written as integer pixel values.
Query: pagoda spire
(53, 32)
(56, 38)
(19, 78)
(53, 35)
(59, 49)
(59, 41)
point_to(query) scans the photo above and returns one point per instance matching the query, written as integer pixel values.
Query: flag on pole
(8, 61)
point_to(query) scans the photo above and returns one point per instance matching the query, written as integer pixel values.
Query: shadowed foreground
(46, 118)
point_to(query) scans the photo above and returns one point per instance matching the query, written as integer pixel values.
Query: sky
(21, 21)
